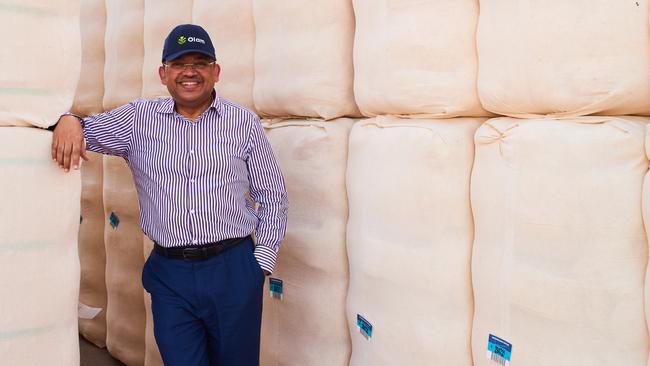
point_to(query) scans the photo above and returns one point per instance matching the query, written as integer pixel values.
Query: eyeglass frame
(192, 66)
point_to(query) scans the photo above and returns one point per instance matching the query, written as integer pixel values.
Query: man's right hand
(68, 143)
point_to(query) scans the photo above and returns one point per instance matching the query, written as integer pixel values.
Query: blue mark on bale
(114, 220)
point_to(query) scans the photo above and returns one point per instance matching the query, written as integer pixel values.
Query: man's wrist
(80, 118)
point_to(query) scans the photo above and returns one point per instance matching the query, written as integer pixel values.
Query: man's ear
(217, 71)
(163, 75)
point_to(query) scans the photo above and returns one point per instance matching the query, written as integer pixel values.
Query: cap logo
(182, 40)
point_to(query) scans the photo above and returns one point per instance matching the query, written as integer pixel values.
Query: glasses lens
(178, 66)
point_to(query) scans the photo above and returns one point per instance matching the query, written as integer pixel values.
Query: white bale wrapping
(39, 266)
(564, 58)
(308, 326)
(124, 46)
(416, 58)
(303, 58)
(160, 17)
(409, 241)
(231, 28)
(92, 253)
(40, 58)
(90, 89)
(646, 221)
(560, 250)
(125, 317)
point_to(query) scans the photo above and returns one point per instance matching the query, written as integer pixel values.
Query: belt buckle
(190, 253)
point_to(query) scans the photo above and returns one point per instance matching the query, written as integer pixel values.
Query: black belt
(200, 252)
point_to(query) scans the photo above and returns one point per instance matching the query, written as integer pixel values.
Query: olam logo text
(182, 40)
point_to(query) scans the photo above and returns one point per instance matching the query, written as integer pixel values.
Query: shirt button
(195, 241)
(192, 211)
(192, 180)
(191, 151)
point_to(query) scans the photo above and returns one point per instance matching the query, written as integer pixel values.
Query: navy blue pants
(207, 312)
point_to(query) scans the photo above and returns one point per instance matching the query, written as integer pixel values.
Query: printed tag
(364, 327)
(275, 288)
(499, 350)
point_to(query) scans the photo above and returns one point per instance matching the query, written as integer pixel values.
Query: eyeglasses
(198, 66)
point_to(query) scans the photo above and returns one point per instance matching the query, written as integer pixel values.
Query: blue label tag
(364, 327)
(114, 220)
(499, 350)
(275, 288)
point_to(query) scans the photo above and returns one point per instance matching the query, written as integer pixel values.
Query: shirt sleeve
(267, 188)
(110, 132)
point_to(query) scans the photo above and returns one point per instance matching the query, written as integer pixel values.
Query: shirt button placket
(191, 189)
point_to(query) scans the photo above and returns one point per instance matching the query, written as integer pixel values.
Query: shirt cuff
(265, 257)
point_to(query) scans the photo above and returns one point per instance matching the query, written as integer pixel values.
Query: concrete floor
(92, 355)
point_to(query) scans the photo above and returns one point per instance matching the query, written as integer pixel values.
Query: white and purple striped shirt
(193, 178)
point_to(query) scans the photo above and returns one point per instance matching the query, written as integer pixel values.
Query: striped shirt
(193, 178)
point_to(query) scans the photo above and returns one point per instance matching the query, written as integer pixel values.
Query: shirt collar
(167, 104)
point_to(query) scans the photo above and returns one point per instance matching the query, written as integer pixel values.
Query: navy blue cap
(187, 38)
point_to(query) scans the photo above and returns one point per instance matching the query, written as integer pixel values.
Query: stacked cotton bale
(304, 319)
(560, 251)
(123, 81)
(303, 58)
(560, 58)
(41, 48)
(416, 58)
(408, 182)
(124, 45)
(39, 215)
(159, 19)
(92, 255)
(125, 333)
(39, 222)
(410, 240)
(303, 70)
(646, 221)
(230, 26)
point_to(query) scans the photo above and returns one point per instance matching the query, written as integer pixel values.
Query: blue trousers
(207, 312)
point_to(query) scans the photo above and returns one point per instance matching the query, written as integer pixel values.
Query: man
(194, 157)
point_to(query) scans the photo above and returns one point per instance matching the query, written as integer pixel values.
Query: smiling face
(190, 87)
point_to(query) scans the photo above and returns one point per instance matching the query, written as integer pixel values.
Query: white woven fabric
(564, 58)
(40, 58)
(409, 241)
(124, 47)
(39, 264)
(303, 58)
(308, 326)
(416, 58)
(125, 317)
(89, 95)
(92, 254)
(560, 250)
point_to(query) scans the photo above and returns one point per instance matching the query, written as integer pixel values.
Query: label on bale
(365, 328)
(499, 350)
(275, 288)
(113, 220)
